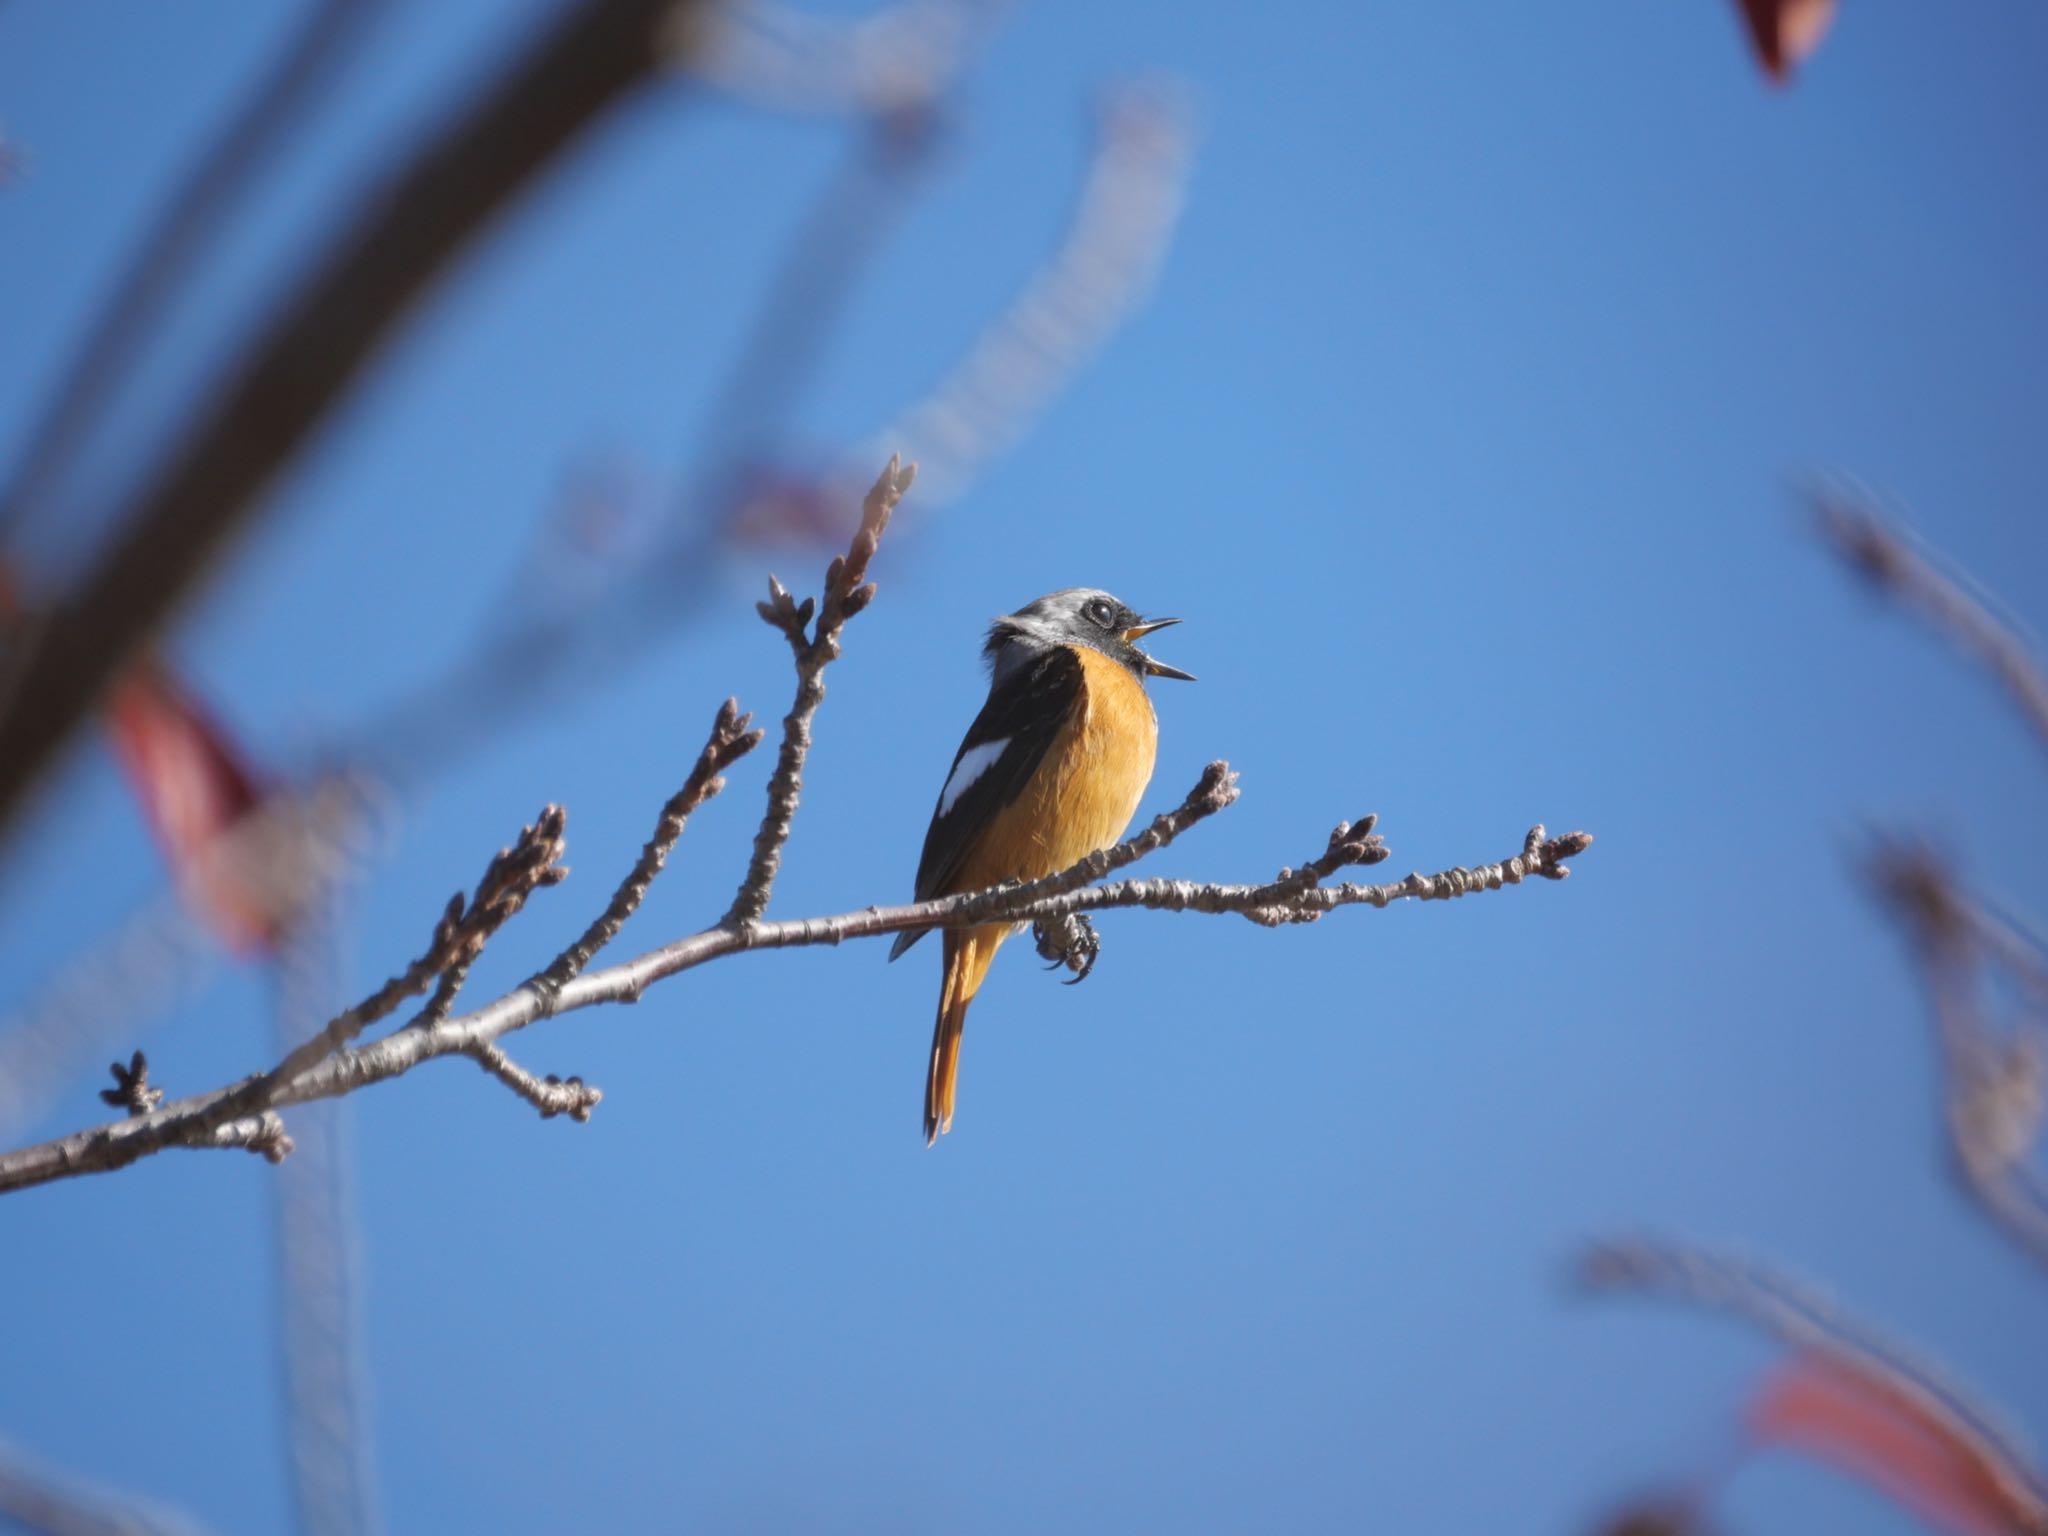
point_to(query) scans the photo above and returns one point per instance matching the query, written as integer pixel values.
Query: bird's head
(1077, 616)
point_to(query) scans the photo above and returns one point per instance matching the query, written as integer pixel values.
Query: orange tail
(967, 956)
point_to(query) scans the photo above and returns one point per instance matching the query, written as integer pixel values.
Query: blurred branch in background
(327, 1065)
(1844, 1397)
(318, 1245)
(630, 582)
(1841, 1396)
(903, 56)
(746, 485)
(187, 223)
(639, 578)
(105, 997)
(1993, 1074)
(398, 244)
(1128, 211)
(39, 1501)
(1891, 563)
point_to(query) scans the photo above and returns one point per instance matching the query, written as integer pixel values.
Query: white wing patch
(972, 765)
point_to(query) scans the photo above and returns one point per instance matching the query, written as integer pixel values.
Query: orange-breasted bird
(1050, 771)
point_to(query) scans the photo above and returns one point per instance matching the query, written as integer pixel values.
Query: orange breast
(1081, 799)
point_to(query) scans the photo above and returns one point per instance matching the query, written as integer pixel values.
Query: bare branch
(406, 235)
(847, 591)
(1804, 1320)
(190, 1122)
(328, 1065)
(1877, 552)
(459, 937)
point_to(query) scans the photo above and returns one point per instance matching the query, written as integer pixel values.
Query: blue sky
(1461, 426)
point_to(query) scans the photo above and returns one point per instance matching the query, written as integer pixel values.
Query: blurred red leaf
(194, 785)
(1784, 32)
(1898, 1440)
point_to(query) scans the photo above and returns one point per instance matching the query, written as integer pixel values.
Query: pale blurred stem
(1993, 1084)
(393, 248)
(1895, 568)
(37, 1500)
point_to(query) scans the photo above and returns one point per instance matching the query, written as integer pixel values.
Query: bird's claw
(1069, 941)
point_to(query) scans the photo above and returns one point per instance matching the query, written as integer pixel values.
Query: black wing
(1025, 712)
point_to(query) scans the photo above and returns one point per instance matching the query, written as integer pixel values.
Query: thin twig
(189, 1122)
(847, 592)
(513, 874)
(1806, 1321)
(550, 1095)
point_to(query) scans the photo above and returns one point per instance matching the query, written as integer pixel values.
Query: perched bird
(1051, 771)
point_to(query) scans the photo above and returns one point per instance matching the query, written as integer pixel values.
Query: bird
(1050, 771)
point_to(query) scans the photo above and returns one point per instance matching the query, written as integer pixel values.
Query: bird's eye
(1101, 613)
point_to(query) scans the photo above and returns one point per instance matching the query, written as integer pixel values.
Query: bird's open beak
(1153, 666)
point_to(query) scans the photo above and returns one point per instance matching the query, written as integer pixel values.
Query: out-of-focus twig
(1806, 1321)
(1104, 266)
(1994, 1078)
(187, 222)
(1876, 551)
(318, 1251)
(39, 1501)
(13, 160)
(539, 648)
(774, 56)
(404, 237)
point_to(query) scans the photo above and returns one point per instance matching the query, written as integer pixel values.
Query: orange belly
(1081, 799)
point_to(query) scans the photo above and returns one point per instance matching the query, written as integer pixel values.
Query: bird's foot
(1068, 941)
